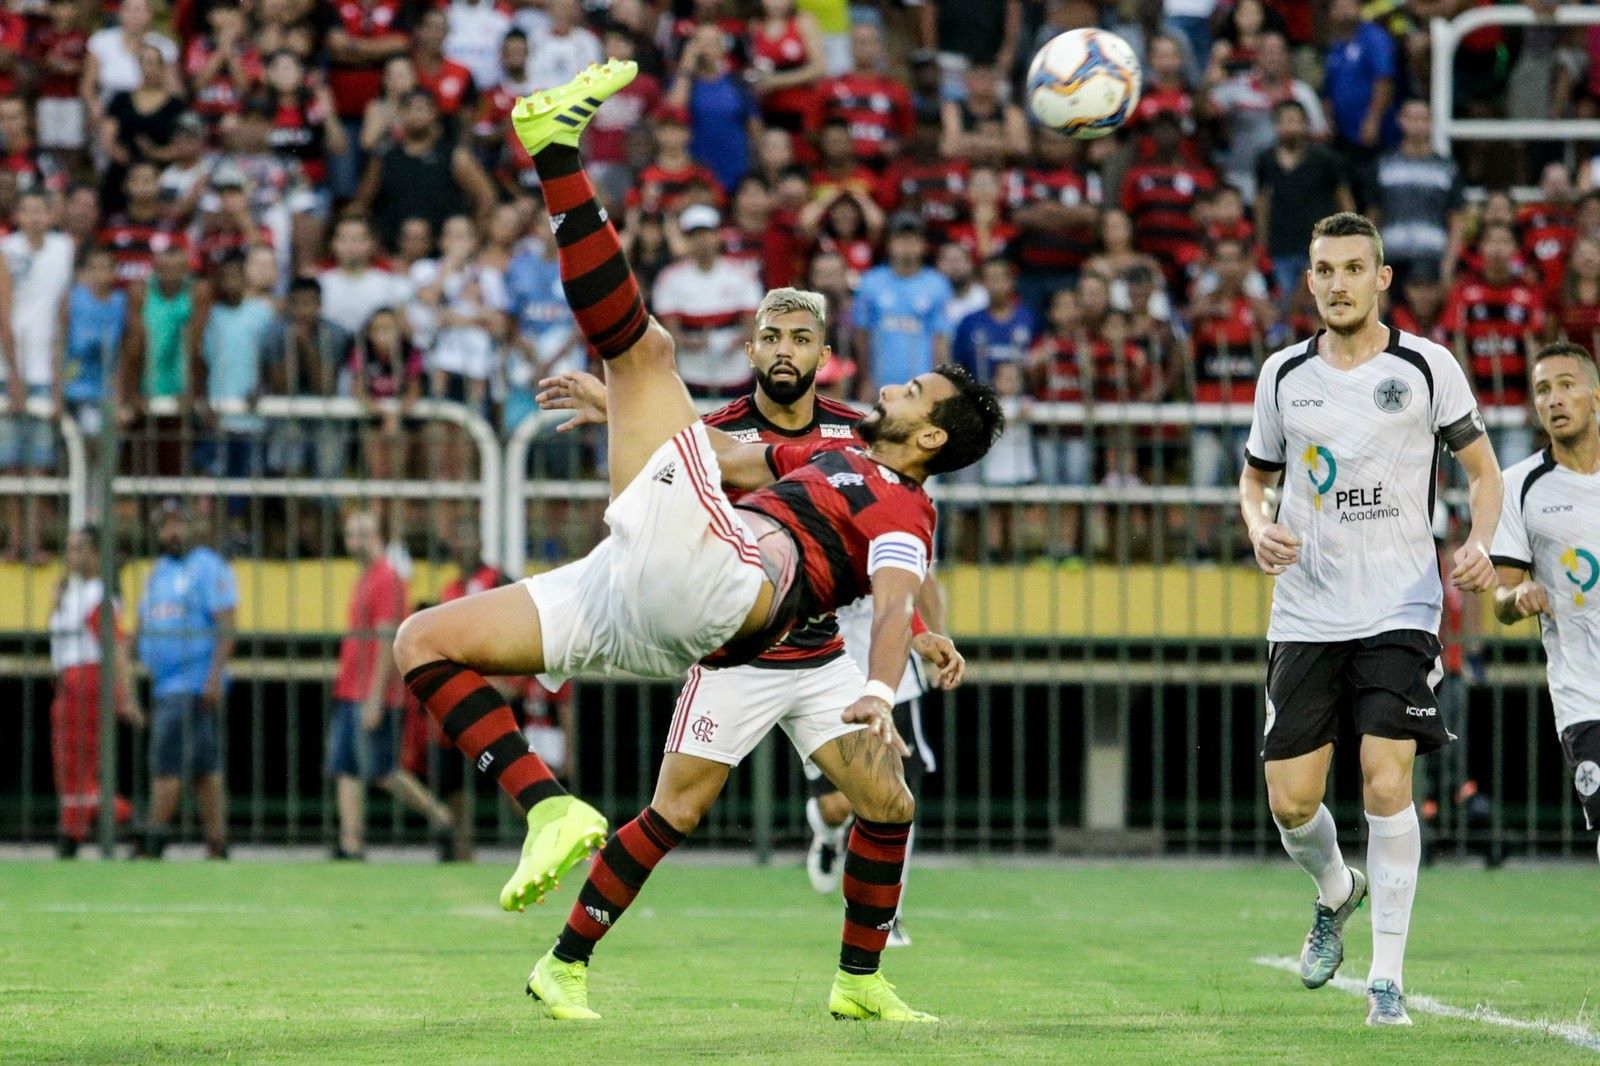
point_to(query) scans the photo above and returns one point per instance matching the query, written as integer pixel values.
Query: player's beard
(785, 391)
(878, 426)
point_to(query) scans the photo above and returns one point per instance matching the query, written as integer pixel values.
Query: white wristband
(877, 690)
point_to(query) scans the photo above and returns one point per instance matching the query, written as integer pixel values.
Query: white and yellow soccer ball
(1084, 83)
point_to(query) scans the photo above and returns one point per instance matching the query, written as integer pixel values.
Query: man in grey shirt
(1416, 199)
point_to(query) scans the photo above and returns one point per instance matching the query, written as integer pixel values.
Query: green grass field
(103, 963)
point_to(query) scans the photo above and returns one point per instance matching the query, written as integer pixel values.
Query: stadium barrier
(1113, 704)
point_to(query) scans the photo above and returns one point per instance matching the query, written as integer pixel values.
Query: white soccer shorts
(671, 584)
(722, 714)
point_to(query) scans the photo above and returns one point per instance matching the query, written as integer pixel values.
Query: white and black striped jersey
(1359, 450)
(1550, 526)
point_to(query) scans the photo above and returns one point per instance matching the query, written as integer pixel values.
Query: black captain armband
(1463, 431)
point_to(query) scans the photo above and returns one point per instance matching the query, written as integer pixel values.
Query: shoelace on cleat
(1323, 933)
(1389, 1002)
(572, 986)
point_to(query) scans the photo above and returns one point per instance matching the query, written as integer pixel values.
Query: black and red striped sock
(873, 863)
(615, 877)
(478, 720)
(600, 286)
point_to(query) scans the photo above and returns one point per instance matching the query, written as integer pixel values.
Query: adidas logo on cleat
(598, 915)
(665, 474)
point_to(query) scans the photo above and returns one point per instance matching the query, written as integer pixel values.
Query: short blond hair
(784, 300)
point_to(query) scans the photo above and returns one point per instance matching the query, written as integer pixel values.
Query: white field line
(1572, 1032)
(784, 914)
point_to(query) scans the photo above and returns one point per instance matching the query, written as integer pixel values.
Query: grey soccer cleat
(1324, 949)
(1387, 1003)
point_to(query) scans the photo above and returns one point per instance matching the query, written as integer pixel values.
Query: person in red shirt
(837, 168)
(664, 185)
(305, 127)
(1420, 309)
(222, 67)
(1160, 195)
(448, 81)
(1497, 320)
(1164, 93)
(365, 35)
(874, 106)
(921, 182)
(58, 52)
(368, 693)
(1579, 320)
(786, 63)
(142, 229)
(616, 123)
(1547, 229)
(13, 48)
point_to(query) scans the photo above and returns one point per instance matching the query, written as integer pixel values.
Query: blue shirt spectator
(178, 619)
(546, 339)
(1361, 58)
(1000, 333)
(900, 309)
(236, 329)
(720, 111)
(95, 327)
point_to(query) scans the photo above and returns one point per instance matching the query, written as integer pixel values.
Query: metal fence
(1113, 630)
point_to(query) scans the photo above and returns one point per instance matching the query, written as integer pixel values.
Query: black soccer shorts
(1580, 742)
(1384, 681)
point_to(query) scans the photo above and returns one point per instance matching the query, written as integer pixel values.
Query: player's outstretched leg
(646, 399)
(869, 774)
(444, 653)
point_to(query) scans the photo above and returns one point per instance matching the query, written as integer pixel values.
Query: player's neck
(888, 455)
(793, 416)
(1581, 454)
(1348, 350)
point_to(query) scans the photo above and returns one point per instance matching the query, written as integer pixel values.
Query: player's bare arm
(894, 593)
(1474, 571)
(1276, 546)
(931, 645)
(1517, 596)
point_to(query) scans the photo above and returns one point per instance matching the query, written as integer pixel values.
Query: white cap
(699, 216)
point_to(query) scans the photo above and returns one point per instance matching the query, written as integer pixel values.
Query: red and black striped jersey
(816, 640)
(877, 107)
(1496, 322)
(1547, 235)
(1225, 352)
(1052, 249)
(1160, 199)
(134, 244)
(849, 515)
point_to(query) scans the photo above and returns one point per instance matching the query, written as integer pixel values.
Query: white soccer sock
(814, 818)
(1394, 852)
(1315, 849)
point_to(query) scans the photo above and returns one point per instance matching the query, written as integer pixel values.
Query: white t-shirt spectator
(348, 300)
(40, 277)
(555, 60)
(119, 67)
(477, 29)
(466, 350)
(711, 306)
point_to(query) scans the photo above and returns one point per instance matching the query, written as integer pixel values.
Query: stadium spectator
(1546, 226)
(967, 294)
(837, 167)
(78, 614)
(353, 288)
(1054, 207)
(224, 66)
(1009, 462)
(830, 275)
(58, 51)
(544, 337)
(1160, 195)
(1166, 87)
(972, 35)
(1497, 320)
(35, 167)
(1240, 34)
(502, 157)
(1059, 371)
(1297, 183)
(982, 126)
(1417, 199)
(141, 230)
(720, 106)
(94, 318)
(616, 129)
(1002, 332)
(899, 311)
(450, 82)
(1192, 19)
(427, 174)
(1420, 309)
(459, 315)
(1361, 80)
(983, 228)
(165, 347)
(786, 66)
(1243, 104)
(114, 64)
(476, 39)
(1579, 309)
(562, 47)
(380, 119)
(139, 123)
(27, 442)
(847, 222)
(1117, 257)
(364, 36)
(305, 123)
(707, 301)
(875, 105)
(186, 642)
(230, 375)
(368, 695)
(385, 367)
(303, 354)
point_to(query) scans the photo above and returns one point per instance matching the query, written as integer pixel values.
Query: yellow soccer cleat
(562, 831)
(559, 115)
(870, 998)
(563, 987)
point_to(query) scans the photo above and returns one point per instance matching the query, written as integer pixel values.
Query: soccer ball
(1084, 83)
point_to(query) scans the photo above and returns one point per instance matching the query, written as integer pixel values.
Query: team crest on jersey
(1392, 395)
(1586, 778)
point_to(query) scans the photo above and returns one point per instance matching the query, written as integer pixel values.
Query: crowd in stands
(218, 200)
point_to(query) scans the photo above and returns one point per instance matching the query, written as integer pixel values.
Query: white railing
(74, 484)
(1446, 35)
(486, 489)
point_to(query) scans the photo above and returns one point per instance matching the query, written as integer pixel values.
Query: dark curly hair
(972, 420)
